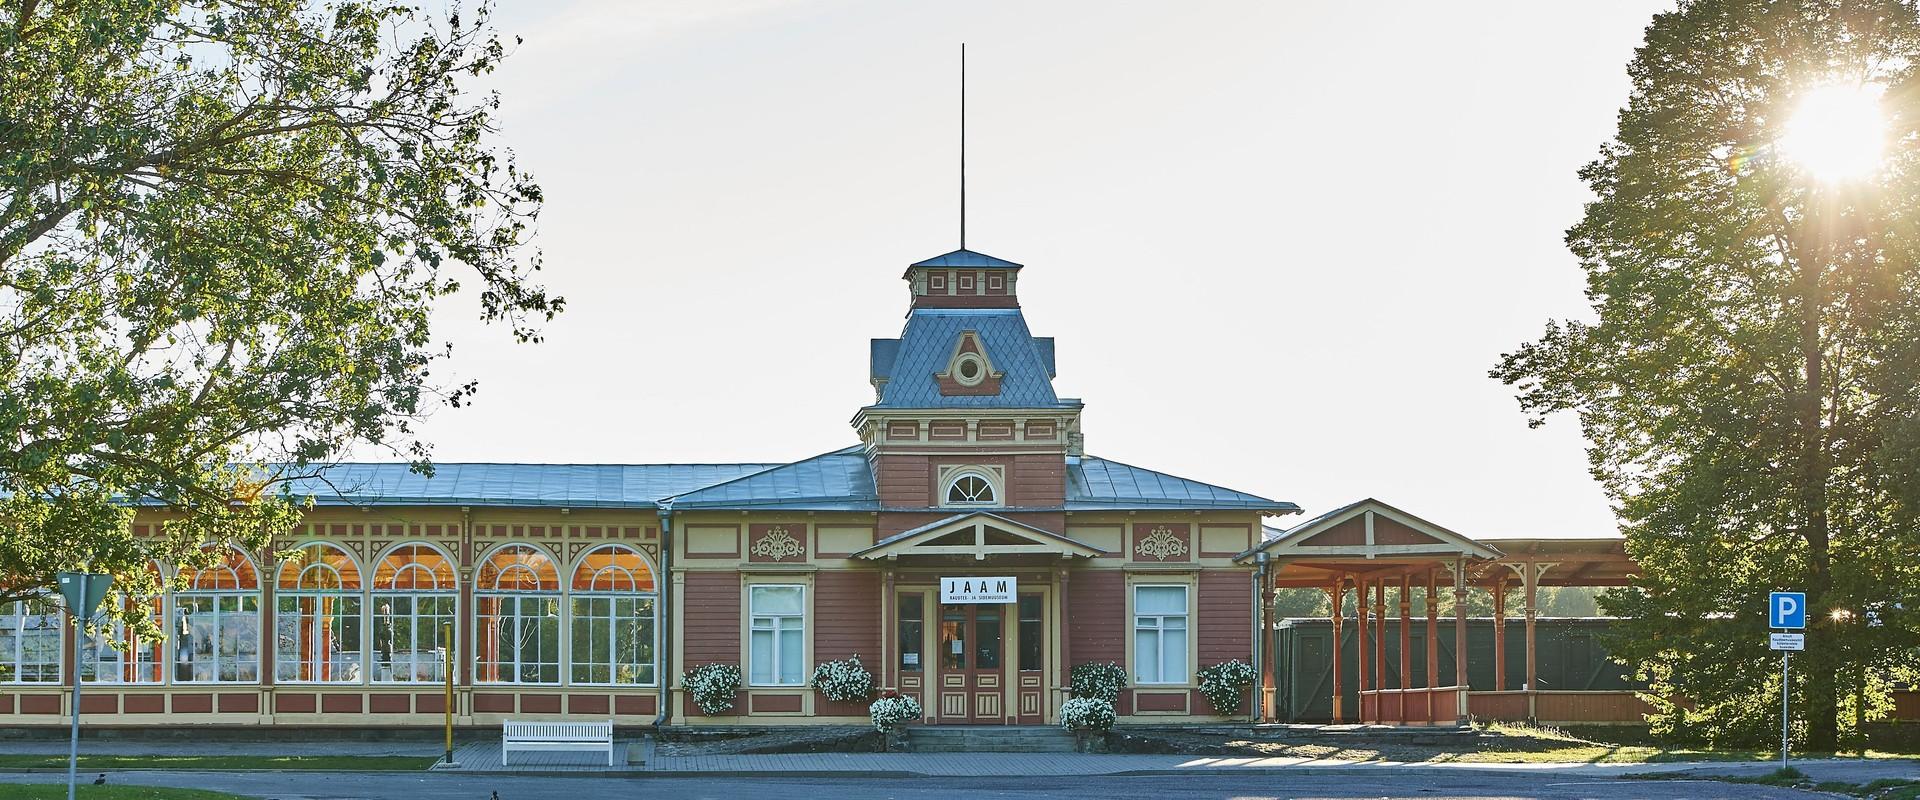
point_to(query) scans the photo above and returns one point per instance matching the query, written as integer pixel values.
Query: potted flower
(844, 681)
(1225, 685)
(713, 686)
(891, 712)
(1089, 718)
(1101, 681)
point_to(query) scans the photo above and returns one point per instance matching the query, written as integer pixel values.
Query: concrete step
(1011, 739)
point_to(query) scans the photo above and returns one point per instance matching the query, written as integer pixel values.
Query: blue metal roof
(552, 485)
(926, 346)
(966, 258)
(1099, 484)
(836, 481)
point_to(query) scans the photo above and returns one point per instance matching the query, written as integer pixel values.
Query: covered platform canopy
(1370, 546)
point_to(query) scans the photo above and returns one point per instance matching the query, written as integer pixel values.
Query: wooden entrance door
(973, 663)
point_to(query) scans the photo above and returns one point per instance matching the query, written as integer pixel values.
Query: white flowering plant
(1225, 685)
(843, 681)
(1100, 681)
(713, 686)
(893, 709)
(1090, 713)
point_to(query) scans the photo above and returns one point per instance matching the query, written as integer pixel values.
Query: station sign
(979, 590)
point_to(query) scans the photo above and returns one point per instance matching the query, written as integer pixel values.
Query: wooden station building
(968, 548)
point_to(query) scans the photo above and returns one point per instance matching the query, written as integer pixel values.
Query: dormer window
(971, 487)
(969, 369)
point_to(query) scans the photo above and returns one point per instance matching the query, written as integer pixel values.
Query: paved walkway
(484, 757)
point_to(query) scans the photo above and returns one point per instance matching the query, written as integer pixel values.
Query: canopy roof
(1370, 539)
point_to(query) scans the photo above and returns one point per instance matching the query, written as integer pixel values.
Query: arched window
(216, 622)
(30, 641)
(415, 595)
(317, 617)
(971, 489)
(611, 615)
(517, 590)
(118, 654)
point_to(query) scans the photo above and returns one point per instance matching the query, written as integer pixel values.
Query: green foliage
(223, 228)
(1749, 381)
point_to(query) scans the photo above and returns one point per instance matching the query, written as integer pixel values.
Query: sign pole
(1785, 656)
(73, 744)
(83, 593)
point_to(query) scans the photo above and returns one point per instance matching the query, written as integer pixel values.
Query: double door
(972, 659)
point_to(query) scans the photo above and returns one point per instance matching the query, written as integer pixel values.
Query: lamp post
(83, 592)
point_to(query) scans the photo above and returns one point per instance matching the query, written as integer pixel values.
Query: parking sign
(1787, 610)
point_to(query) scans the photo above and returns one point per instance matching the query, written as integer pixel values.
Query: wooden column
(1433, 629)
(1380, 635)
(1362, 646)
(1433, 644)
(1500, 634)
(1406, 632)
(1265, 646)
(932, 617)
(1533, 591)
(1339, 594)
(889, 606)
(1460, 636)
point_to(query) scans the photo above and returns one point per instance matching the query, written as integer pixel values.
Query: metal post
(1785, 656)
(446, 636)
(73, 745)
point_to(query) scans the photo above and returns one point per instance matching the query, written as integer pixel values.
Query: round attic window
(968, 370)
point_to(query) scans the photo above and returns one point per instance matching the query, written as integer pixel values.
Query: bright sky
(1280, 244)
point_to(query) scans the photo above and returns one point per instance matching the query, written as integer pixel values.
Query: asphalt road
(1346, 785)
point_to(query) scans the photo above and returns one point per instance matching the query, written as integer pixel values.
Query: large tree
(1750, 378)
(223, 226)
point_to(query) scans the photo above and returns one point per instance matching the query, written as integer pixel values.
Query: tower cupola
(963, 279)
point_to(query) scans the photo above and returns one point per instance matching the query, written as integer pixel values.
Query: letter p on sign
(1787, 610)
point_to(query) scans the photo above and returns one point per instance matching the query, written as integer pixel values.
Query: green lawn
(1517, 743)
(99, 763)
(58, 791)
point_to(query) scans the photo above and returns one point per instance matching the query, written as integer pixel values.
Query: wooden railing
(1439, 705)
(1559, 707)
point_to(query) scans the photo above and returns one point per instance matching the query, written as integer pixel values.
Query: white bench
(556, 736)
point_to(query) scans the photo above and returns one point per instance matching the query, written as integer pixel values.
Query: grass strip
(97, 763)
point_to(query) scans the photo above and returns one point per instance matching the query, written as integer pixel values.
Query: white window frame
(993, 488)
(612, 597)
(176, 618)
(1158, 625)
(516, 600)
(376, 596)
(116, 631)
(356, 595)
(220, 623)
(773, 628)
(17, 618)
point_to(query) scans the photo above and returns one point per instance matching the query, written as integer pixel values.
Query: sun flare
(1837, 132)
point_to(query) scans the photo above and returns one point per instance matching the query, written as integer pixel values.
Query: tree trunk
(1822, 690)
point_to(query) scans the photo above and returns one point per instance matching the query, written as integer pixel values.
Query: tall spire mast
(963, 145)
